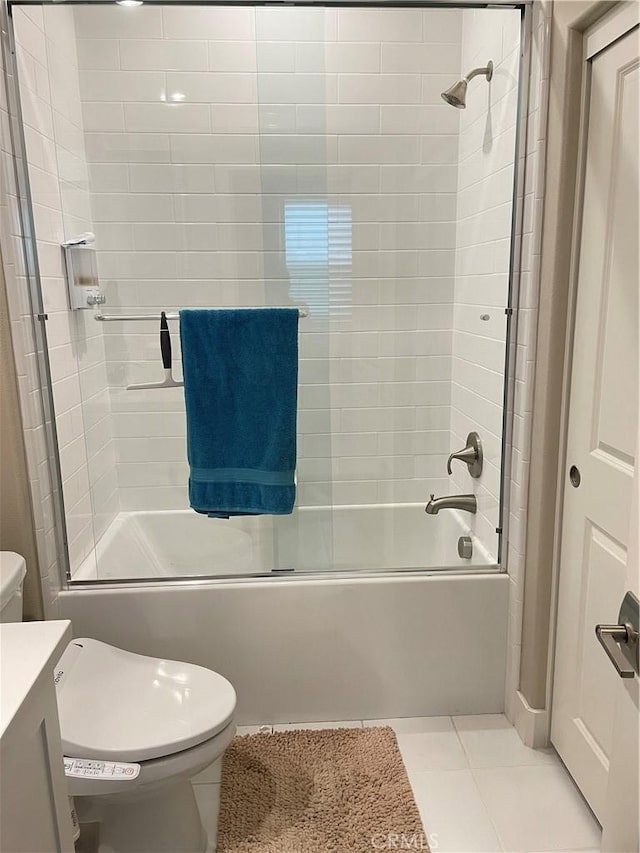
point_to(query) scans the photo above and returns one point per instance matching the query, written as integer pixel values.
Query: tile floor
(477, 786)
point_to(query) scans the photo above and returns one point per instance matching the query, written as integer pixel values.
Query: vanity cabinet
(34, 807)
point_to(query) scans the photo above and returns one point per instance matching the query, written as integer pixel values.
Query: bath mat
(317, 791)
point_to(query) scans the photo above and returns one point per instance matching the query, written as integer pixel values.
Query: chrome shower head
(456, 95)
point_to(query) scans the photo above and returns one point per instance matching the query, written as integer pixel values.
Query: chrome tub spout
(467, 503)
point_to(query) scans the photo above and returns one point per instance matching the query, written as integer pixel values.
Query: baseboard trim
(532, 724)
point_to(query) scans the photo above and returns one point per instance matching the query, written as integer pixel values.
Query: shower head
(456, 95)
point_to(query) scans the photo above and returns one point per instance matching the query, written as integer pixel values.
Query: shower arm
(487, 71)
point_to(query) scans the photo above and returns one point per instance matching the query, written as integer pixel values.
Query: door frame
(569, 80)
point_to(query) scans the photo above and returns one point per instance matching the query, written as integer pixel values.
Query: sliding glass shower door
(232, 156)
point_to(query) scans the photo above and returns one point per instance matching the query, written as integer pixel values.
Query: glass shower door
(231, 156)
(307, 254)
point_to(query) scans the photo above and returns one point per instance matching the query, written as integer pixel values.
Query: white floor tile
(514, 799)
(208, 800)
(454, 817)
(537, 808)
(210, 774)
(427, 743)
(490, 740)
(340, 724)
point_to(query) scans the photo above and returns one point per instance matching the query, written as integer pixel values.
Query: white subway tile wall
(50, 97)
(212, 135)
(486, 153)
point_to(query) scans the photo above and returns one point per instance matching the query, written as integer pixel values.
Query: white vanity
(34, 807)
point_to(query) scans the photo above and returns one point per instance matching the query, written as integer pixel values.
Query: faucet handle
(471, 455)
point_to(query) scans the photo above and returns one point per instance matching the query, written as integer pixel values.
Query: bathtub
(181, 543)
(315, 644)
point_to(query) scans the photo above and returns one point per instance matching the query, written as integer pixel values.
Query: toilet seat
(120, 706)
(155, 772)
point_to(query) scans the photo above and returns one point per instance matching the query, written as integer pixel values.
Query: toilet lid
(117, 705)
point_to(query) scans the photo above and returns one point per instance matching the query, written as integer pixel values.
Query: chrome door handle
(610, 636)
(620, 642)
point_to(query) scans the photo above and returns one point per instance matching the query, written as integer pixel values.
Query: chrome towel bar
(109, 318)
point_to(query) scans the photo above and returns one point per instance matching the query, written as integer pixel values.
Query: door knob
(471, 455)
(620, 641)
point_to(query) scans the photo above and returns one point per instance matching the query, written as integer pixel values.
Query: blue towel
(240, 386)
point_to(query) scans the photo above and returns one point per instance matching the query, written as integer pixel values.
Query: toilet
(161, 722)
(141, 727)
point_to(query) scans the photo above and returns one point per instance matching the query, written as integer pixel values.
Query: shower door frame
(39, 317)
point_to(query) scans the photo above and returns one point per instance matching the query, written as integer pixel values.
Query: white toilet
(160, 721)
(172, 719)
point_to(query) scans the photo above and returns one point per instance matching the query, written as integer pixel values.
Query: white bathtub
(306, 646)
(181, 543)
(307, 649)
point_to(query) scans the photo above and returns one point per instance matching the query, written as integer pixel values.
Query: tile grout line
(461, 742)
(486, 808)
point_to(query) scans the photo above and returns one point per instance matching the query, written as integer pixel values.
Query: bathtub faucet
(467, 503)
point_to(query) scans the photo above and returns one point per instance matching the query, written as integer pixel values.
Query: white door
(621, 827)
(603, 422)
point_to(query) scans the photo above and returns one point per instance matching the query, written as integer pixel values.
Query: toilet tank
(12, 571)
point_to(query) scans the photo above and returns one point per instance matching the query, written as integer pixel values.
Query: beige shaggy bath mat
(326, 791)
